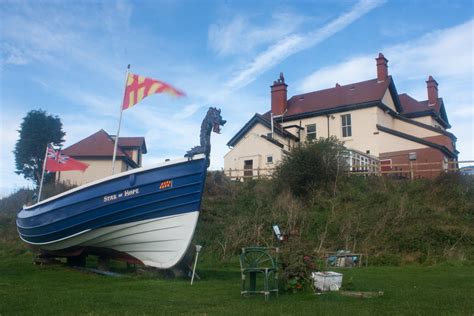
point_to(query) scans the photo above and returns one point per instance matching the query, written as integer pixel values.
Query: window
(269, 159)
(311, 132)
(346, 125)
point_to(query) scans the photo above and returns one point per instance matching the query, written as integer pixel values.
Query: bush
(312, 166)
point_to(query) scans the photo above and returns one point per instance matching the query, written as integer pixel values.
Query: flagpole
(42, 173)
(120, 123)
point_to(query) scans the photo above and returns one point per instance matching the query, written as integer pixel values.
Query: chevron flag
(55, 161)
(139, 87)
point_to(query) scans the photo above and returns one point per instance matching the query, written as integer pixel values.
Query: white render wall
(363, 122)
(252, 147)
(428, 120)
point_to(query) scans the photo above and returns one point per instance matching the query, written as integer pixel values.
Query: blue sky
(69, 58)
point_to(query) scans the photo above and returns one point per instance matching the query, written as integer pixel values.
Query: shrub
(312, 166)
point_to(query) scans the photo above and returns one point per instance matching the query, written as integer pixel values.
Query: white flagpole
(42, 173)
(120, 123)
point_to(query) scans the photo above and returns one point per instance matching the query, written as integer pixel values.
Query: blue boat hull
(145, 211)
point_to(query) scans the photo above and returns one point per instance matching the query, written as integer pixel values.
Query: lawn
(409, 290)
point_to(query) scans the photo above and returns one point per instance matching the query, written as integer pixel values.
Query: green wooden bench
(259, 261)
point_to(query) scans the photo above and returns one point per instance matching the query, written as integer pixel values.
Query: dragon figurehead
(212, 122)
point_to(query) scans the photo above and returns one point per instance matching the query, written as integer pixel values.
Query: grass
(428, 221)
(410, 290)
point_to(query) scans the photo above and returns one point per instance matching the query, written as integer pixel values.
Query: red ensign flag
(139, 87)
(55, 161)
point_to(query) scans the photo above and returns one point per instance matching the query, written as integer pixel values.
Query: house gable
(417, 109)
(258, 119)
(256, 148)
(101, 145)
(391, 100)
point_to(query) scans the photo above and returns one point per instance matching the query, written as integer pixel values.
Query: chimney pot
(279, 96)
(432, 89)
(382, 68)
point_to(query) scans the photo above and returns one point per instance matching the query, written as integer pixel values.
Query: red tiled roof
(410, 105)
(355, 93)
(99, 144)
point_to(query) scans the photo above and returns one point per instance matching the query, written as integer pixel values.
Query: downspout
(271, 118)
(299, 134)
(327, 116)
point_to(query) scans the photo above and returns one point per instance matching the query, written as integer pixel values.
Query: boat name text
(126, 193)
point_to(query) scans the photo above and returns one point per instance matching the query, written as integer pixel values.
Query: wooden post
(411, 171)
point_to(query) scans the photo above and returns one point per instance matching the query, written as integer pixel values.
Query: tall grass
(394, 221)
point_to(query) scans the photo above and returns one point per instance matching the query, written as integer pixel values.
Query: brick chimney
(432, 88)
(279, 96)
(382, 68)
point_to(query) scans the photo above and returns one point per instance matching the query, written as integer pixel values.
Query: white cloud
(446, 54)
(294, 43)
(13, 55)
(187, 111)
(54, 36)
(353, 70)
(441, 53)
(241, 36)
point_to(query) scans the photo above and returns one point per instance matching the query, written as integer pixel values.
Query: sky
(69, 58)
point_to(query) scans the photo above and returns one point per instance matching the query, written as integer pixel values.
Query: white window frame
(346, 127)
(313, 138)
(269, 162)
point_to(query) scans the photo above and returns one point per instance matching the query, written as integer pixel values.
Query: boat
(146, 215)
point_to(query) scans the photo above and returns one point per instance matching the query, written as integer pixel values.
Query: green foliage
(36, 131)
(311, 166)
(296, 263)
(11, 205)
(394, 221)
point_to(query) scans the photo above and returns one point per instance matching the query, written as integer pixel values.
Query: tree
(36, 131)
(316, 164)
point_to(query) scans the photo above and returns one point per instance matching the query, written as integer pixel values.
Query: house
(97, 150)
(378, 126)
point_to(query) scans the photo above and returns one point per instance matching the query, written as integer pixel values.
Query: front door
(248, 168)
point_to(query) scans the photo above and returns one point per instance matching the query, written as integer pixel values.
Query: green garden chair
(259, 261)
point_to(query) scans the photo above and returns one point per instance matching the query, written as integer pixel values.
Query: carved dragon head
(215, 119)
